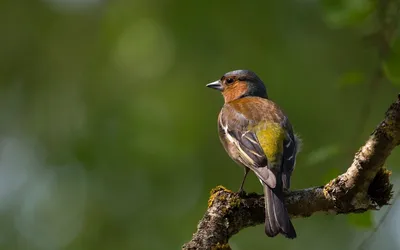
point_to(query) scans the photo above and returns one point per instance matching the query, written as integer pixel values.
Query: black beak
(215, 85)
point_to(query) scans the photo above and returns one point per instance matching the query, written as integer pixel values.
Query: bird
(257, 135)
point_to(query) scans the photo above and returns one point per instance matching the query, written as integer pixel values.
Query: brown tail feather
(276, 216)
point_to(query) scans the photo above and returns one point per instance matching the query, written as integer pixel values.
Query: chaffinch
(257, 135)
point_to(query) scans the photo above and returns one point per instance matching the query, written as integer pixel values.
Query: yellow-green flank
(271, 137)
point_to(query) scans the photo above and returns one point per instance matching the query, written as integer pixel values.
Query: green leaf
(361, 220)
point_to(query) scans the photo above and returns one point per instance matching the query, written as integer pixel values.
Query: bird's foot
(286, 191)
(241, 192)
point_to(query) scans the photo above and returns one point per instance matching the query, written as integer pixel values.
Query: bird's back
(256, 109)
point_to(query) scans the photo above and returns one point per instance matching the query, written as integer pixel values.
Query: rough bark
(364, 186)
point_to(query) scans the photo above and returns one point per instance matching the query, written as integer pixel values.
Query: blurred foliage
(345, 13)
(322, 153)
(391, 66)
(108, 134)
(351, 78)
(363, 220)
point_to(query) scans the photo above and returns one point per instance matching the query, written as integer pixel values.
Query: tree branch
(364, 186)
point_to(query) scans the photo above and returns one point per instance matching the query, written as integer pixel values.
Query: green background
(108, 135)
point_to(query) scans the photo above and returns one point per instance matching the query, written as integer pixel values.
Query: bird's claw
(241, 192)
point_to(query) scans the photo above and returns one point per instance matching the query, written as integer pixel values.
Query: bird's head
(239, 83)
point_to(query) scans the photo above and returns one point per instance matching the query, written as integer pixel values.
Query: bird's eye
(229, 80)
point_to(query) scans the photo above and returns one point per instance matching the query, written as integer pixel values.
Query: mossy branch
(364, 186)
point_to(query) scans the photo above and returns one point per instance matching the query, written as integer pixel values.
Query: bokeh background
(108, 136)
